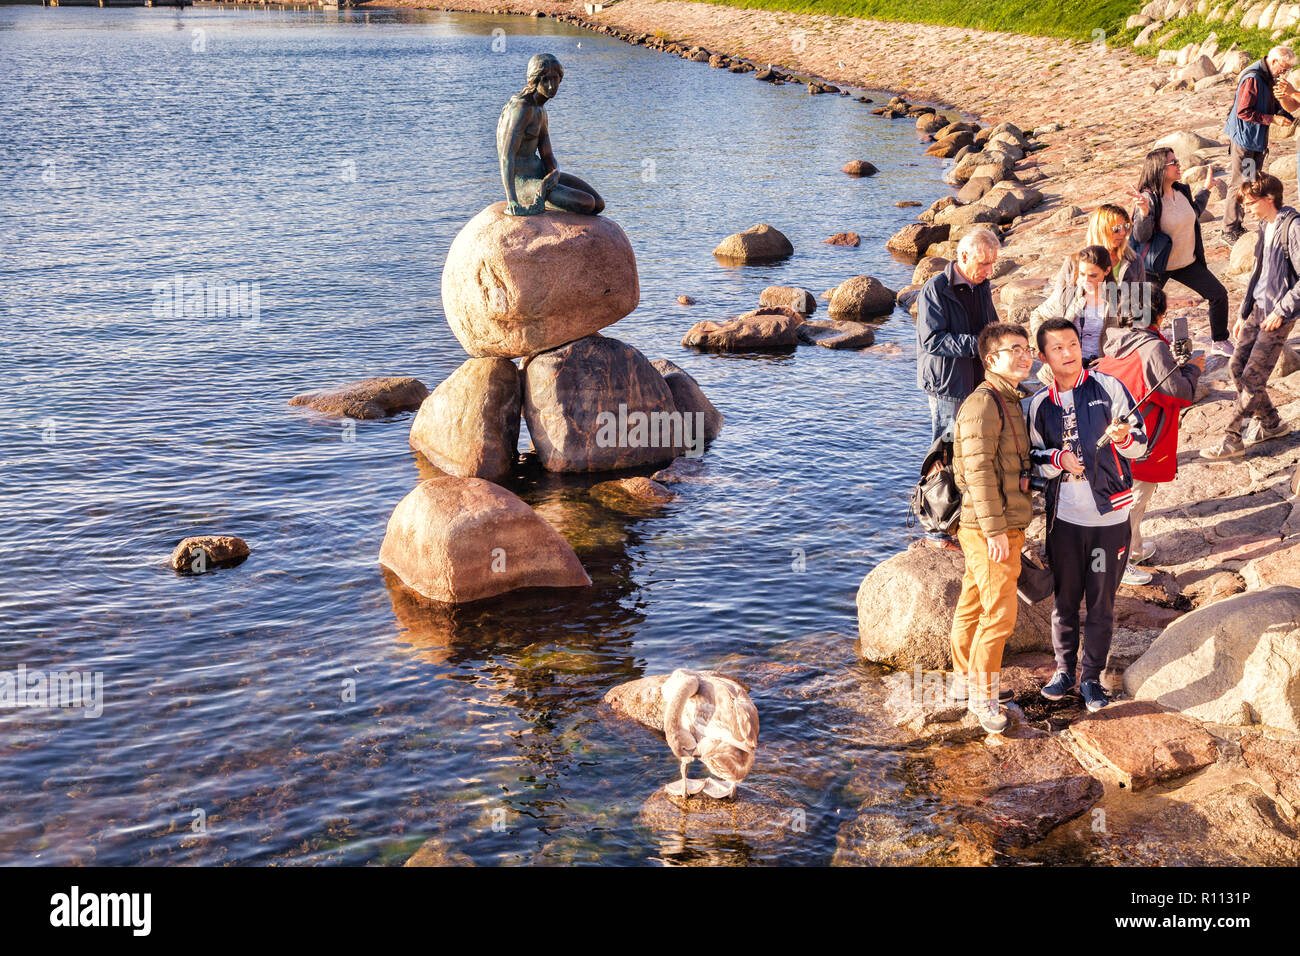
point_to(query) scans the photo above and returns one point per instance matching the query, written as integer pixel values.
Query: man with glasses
(954, 307)
(991, 467)
(1255, 108)
(1268, 314)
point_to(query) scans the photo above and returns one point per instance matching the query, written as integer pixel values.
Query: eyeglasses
(1123, 227)
(1016, 350)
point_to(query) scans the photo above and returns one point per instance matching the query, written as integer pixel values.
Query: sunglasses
(1121, 228)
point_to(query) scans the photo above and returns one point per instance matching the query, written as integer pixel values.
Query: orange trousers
(986, 611)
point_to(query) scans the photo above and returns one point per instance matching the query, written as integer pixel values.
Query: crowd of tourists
(1098, 431)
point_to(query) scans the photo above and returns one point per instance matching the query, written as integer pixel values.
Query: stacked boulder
(537, 288)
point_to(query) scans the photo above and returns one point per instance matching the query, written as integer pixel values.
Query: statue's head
(544, 75)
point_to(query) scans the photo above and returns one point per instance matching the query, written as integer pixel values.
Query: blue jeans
(943, 412)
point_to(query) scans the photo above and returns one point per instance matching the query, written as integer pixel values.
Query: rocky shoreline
(1145, 781)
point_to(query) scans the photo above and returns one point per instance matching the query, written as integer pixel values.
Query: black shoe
(1232, 233)
(1094, 698)
(1061, 684)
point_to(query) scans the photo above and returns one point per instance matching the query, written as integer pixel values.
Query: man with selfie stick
(1088, 495)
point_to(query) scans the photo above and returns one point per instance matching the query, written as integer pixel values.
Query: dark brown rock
(861, 298)
(912, 241)
(367, 399)
(597, 404)
(759, 330)
(859, 167)
(760, 243)
(843, 239)
(204, 552)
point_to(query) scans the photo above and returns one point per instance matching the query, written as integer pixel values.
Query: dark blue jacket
(1245, 133)
(947, 353)
(1098, 399)
(1284, 266)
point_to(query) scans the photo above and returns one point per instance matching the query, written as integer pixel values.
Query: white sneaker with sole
(1148, 552)
(1256, 433)
(1135, 575)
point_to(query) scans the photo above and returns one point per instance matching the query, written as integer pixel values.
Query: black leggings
(1200, 280)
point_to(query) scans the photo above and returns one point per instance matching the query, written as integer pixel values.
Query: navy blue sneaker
(1094, 698)
(1062, 683)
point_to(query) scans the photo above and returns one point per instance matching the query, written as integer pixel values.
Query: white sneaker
(990, 715)
(1225, 348)
(1135, 575)
(1146, 554)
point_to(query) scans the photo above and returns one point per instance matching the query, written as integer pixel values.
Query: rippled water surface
(331, 158)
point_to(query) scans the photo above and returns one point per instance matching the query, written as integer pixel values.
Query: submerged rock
(859, 167)
(368, 398)
(516, 285)
(837, 334)
(205, 552)
(597, 404)
(455, 540)
(637, 493)
(469, 426)
(843, 239)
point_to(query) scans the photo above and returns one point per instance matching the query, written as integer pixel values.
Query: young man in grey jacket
(1268, 313)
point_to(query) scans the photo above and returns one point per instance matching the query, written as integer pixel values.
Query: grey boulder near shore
(517, 285)
(905, 608)
(454, 540)
(1234, 662)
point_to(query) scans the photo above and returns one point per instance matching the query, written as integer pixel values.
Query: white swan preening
(710, 718)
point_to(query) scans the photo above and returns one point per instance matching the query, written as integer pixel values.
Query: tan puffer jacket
(986, 463)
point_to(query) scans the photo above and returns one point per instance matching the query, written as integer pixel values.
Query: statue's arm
(544, 146)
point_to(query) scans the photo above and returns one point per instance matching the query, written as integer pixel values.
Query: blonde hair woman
(1109, 227)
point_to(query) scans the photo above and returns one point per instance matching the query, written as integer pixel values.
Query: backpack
(935, 502)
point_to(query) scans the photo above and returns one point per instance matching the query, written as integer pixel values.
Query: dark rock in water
(685, 300)
(759, 330)
(205, 552)
(760, 243)
(368, 398)
(861, 298)
(766, 74)
(879, 836)
(837, 334)
(789, 297)
(469, 426)
(435, 852)
(907, 203)
(682, 471)
(719, 61)
(1142, 743)
(843, 239)
(912, 241)
(597, 404)
(859, 167)
(758, 813)
(1012, 791)
(690, 399)
(908, 297)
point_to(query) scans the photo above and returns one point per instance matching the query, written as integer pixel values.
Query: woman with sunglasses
(1167, 231)
(1109, 227)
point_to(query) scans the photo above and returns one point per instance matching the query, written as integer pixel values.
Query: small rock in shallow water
(204, 552)
(368, 398)
(843, 239)
(685, 300)
(635, 492)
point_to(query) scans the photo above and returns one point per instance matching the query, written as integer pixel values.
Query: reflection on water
(300, 707)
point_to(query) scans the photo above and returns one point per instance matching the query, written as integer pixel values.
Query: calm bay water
(331, 158)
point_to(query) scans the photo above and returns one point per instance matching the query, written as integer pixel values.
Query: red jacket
(1139, 358)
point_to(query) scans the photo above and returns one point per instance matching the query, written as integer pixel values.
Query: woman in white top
(1167, 235)
(1087, 295)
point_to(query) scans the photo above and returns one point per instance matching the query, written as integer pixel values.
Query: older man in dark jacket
(1255, 108)
(954, 308)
